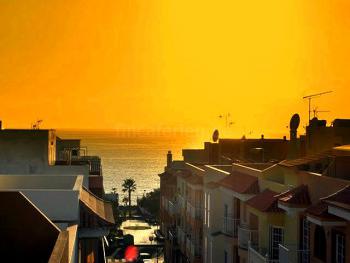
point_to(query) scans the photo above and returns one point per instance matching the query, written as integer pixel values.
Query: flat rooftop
(40, 182)
(224, 169)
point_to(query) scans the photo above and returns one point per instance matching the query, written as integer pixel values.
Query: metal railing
(171, 235)
(188, 246)
(246, 236)
(188, 208)
(260, 255)
(181, 201)
(194, 211)
(230, 226)
(292, 254)
(171, 208)
(180, 235)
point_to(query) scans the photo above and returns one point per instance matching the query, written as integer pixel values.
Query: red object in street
(131, 253)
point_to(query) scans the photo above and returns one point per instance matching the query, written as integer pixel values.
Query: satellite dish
(215, 136)
(294, 122)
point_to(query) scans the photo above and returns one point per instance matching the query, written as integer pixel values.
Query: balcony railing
(260, 255)
(171, 208)
(246, 236)
(230, 226)
(197, 213)
(194, 211)
(172, 235)
(181, 201)
(180, 235)
(165, 204)
(188, 246)
(188, 208)
(291, 254)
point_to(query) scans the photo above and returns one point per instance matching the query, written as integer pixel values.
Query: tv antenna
(310, 97)
(36, 124)
(228, 121)
(316, 111)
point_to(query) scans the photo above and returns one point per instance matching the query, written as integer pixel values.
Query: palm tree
(125, 201)
(129, 185)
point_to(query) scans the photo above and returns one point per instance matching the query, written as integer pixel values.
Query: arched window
(320, 246)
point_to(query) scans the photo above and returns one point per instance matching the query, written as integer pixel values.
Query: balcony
(188, 246)
(196, 252)
(188, 208)
(172, 235)
(197, 213)
(181, 202)
(260, 255)
(246, 236)
(194, 211)
(230, 226)
(180, 236)
(172, 208)
(292, 254)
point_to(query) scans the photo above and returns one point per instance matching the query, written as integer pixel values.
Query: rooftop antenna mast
(36, 124)
(227, 117)
(310, 97)
(316, 111)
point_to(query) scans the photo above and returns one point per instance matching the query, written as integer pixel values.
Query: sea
(140, 155)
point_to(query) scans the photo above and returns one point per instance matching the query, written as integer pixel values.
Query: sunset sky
(153, 64)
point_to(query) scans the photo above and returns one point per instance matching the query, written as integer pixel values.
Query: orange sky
(172, 64)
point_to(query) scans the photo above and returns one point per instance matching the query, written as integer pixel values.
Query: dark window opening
(320, 245)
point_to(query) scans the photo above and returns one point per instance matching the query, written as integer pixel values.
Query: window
(244, 212)
(305, 241)
(339, 248)
(225, 256)
(205, 208)
(205, 249)
(320, 243)
(225, 218)
(208, 216)
(276, 238)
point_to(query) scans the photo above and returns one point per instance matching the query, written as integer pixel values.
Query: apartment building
(68, 221)
(264, 200)
(42, 152)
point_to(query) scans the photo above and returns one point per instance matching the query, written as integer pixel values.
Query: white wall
(24, 150)
(57, 205)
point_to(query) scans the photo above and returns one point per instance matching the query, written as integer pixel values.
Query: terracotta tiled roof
(163, 174)
(241, 183)
(320, 211)
(340, 199)
(194, 180)
(183, 173)
(317, 209)
(296, 197)
(99, 207)
(307, 159)
(212, 185)
(167, 178)
(266, 201)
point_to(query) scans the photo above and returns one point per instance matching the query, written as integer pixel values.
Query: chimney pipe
(169, 158)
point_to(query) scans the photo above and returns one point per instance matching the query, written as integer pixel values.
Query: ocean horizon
(140, 155)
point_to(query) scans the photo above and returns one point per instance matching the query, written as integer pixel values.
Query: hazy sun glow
(172, 64)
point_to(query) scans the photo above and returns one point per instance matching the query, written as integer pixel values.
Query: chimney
(169, 158)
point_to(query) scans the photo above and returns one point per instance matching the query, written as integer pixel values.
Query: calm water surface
(140, 155)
